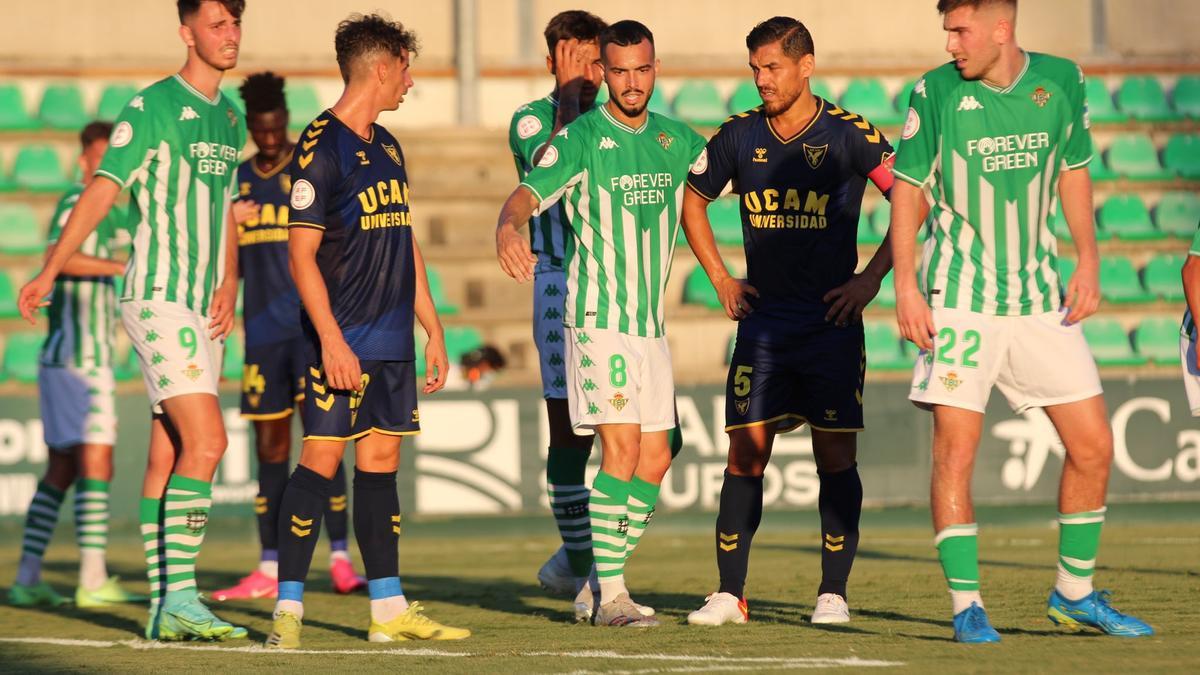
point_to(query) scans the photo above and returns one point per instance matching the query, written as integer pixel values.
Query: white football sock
(386, 609)
(269, 568)
(611, 587)
(963, 599)
(1072, 587)
(293, 606)
(93, 571)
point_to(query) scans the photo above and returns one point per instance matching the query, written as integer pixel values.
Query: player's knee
(61, 470)
(748, 463)
(272, 450)
(208, 447)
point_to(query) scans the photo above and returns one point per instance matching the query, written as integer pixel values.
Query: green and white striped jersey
(989, 160)
(1188, 328)
(82, 310)
(622, 190)
(527, 133)
(177, 151)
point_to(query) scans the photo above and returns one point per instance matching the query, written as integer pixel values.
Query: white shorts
(173, 348)
(549, 293)
(1035, 361)
(615, 378)
(78, 406)
(1191, 375)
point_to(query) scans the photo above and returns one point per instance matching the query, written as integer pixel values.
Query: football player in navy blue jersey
(361, 281)
(273, 374)
(800, 165)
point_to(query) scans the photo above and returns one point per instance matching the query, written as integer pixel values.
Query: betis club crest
(1040, 96)
(665, 141)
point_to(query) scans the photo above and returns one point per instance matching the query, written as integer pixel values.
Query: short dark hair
(484, 354)
(263, 93)
(360, 35)
(187, 8)
(796, 39)
(625, 34)
(946, 6)
(95, 131)
(573, 24)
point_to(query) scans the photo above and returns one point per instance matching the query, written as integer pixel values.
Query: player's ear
(657, 65)
(1003, 33)
(186, 34)
(550, 64)
(808, 64)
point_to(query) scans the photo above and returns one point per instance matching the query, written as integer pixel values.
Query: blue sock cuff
(339, 545)
(378, 589)
(270, 554)
(291, 590)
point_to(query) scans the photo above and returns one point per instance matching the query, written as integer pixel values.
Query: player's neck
(201, 76)
(267, 165)
(634, 122)
(1006, 69)
(795, 118)
(357, 110)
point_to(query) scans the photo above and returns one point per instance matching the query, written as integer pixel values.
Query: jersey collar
(621, 125)
(1016, 80)
(811, 123)
(283, 163)
(196, 92)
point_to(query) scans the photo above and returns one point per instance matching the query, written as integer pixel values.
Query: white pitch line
(720, 662)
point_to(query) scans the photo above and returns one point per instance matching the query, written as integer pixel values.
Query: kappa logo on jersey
(607, 143)
(138, 103)
(188, 113)
(919, 88)
(528, 126)
(969, 103)
(815, 154)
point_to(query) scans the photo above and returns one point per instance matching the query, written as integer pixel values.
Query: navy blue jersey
(271, 306)
(356, 191)
(800, 201)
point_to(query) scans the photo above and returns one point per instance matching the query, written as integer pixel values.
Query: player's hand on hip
(1083, 293)
(437, 365)
(915, 319)
(848, 301)
(734, 295)
(33, 296)
(223, 305)
(245, 210)
(342, 370)
(515, 255)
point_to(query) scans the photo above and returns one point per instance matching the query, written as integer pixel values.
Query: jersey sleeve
(315, 176)
(716, 164)
(871, 156)
(560, 167)
(917, 156)
(134, 133)
(1195, 249)
(526, 134)
(1078, 148)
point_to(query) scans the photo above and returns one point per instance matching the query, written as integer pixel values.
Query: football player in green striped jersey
(621, 171)
(992, 141)
(76, 392)
(176, 147)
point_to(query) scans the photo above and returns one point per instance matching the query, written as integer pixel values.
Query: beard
(780, 104)
(629, 111)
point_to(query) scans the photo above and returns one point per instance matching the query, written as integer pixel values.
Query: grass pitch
(479, 573)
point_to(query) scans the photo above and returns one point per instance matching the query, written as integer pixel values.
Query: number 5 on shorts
(741, 380)
(187, 340)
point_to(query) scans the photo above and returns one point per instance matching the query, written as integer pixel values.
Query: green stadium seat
(8, 297)
(459, 341)
(745, 96)
(37, 168)
(21, 354)
(659, 103)
(438, 290)
(20, 233)
(1186, 96)
(231, 91)
(698, 291)
(881, 218)
(866, 233)
(1066, 267)
(235, 356)
(1126, 217)
(904, 96)
(821, 88)
(125, 366)
(1182, 155)
(1110, 343)
(1058, 225)
(887, 292)
(1161, 276)
(884, 350)
(303, 104)
(1142, 97)
(62, 108)
(730, 348)
(1099, 169)
(867, 97)
(1157, 339)
(726, 217)
(697, 102)
(1133, 156)
(1178, 214)
(1119, 281)
(1100, 103)
(14, 114)
(113, 100)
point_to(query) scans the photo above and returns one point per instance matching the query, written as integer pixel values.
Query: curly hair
(365, 35)
(187, 8)
(263, 93)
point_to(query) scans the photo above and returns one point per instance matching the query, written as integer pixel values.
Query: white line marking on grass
(719, 662)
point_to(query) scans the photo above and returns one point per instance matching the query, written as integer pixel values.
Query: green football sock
(150, 523)
(565, 475)
(39, 528)
(185, 519)
(958, 551)
(91, 530)
(609, 524)
(643, 495)
(1078, 543)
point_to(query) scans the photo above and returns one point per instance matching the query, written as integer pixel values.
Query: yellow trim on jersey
(300, 223)
(385, 432)
(695, 189)
(369, 141)
(801, 421)
(283, 162)
(343, 439)
(262, 417)
(798, 134)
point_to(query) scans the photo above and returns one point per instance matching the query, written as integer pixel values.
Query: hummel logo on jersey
(969, 103)
(188, 114)
(607, 143)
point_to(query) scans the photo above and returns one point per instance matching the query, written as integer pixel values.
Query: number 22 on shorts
(948, 338)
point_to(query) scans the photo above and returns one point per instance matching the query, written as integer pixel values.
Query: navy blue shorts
(817, 379)
(387, 403)
(273, 380)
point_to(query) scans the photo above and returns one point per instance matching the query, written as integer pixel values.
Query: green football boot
(35, 595)
(191, 620)
(109, 593)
